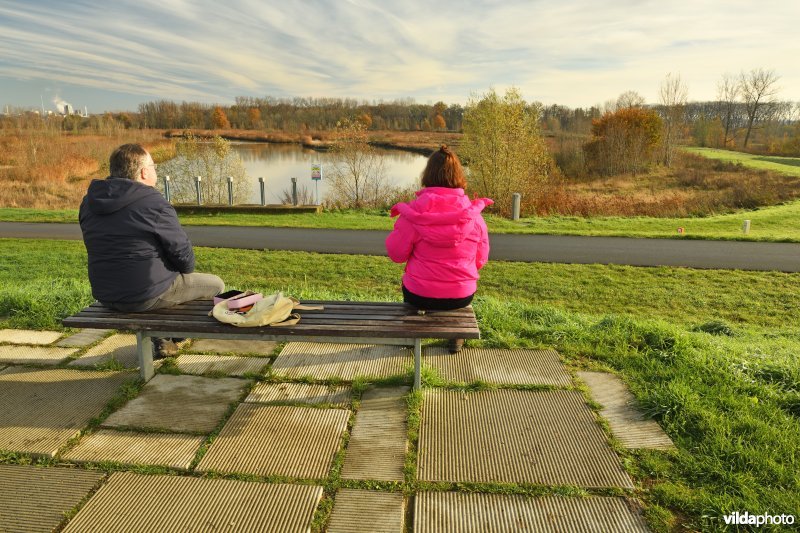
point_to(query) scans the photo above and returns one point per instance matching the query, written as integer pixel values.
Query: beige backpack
(272, 310)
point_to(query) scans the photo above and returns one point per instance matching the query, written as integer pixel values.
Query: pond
(279, 163)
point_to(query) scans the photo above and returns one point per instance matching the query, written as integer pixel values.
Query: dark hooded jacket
(136, 245)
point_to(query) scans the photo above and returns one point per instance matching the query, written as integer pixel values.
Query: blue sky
(114, 55)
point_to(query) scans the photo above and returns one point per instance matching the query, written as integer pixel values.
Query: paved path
(266, 439)
(545, 248)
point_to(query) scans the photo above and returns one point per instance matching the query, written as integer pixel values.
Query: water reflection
(279, 163)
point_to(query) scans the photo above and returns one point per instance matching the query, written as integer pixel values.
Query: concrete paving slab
(503, 367)
(29, 336)
(278, 440)
(120, 348)
(300, 393)
(355, 511)
(224, 364)
(343, 361)
(39, 355)
(436, 512)
(35, 499)
(43, 409)
(377, 447)
(627, 422)
(128, 447)
(179, 403)
(85, 337)
(136, 503)
(547, 437)
(233, 347)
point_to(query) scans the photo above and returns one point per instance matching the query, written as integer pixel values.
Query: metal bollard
(516, 199)
(230, 190)
(263, 196)
(199, 191)
(166, 188)
(294, 191)
(746, 227)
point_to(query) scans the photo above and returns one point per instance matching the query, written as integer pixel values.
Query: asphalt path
(741, 255)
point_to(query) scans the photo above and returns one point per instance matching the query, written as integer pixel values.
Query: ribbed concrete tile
(504, 367)
(344, 361)
(224, 364)
(627, 423)
(40, 355)
(278, 440)
(436, 512)
(85, 337)
(179, 403)
(159, 449)
(377, 447)
(43, 409)
(35, 499)
(135, 503)
(120, 348)
(356, 511)
(513, 436)
(29, 336)
(300, 393)
(233, 346)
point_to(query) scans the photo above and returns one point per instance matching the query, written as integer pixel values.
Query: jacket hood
(449, 216)
(112, 194)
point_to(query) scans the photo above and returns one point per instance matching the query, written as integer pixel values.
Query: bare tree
(672, 96)
(758, 89)
(629, 99)
(358, 176)
(727, 97)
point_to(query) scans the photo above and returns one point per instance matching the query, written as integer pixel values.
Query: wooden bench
(338, 322)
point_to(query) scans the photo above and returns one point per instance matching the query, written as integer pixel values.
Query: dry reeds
(50, 169)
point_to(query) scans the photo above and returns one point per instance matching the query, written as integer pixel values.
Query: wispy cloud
(575, 52)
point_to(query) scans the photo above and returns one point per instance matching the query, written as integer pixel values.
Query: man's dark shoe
(455, 345)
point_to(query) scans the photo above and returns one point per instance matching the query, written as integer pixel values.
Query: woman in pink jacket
(442, 238)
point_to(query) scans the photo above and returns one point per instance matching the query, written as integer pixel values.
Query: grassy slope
(692, 382)
(787, 165)
(778, 223)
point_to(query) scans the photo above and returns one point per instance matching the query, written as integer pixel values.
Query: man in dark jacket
(140, 259)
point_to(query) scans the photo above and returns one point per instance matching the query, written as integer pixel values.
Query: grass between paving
(779, 223)
(711, 355)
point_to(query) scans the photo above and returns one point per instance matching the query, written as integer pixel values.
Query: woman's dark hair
(444, 170)
(127, 160)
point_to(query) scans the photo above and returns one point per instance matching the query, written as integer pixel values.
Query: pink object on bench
(238, 299)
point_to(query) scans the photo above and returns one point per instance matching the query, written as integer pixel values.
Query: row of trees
(298, 114)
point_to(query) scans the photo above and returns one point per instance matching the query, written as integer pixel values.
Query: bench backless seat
(338, 322)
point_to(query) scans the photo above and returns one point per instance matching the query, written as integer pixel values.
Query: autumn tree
(219, 119)
(439, 123)
(758, 89)
(358, 175)
(623, 141)
(503, 148)
(672, 96)
(254, 117)
(214, 162)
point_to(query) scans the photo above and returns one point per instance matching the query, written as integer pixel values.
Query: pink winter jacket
(442, 238)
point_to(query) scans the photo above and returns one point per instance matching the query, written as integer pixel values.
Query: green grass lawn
(787, 165)
(777, 223)
(713, 356)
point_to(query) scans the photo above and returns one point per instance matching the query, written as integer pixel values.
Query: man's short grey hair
(127, 160)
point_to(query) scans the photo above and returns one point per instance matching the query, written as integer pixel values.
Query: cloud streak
(575, 52)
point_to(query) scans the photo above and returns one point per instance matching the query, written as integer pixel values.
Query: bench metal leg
(417, 363)
(144, 352)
